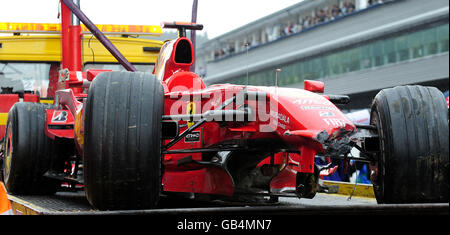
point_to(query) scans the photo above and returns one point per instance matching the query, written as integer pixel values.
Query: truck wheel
(412, 166)
(28, 153)
(122, 150)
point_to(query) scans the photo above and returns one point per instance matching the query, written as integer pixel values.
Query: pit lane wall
(344, 188)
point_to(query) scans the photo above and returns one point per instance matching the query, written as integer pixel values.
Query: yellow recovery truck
(30, 62)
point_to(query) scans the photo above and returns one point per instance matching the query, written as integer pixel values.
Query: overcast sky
(217, 16)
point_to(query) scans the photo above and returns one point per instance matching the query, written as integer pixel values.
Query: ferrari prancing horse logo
(190, 110)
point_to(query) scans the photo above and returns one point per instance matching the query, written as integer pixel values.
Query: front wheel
(122, 150)
(412, 165)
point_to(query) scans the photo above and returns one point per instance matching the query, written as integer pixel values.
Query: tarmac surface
(329, 199)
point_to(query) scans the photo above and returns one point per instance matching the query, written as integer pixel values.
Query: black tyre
(122, 150)
(28, 151)
(412, 166)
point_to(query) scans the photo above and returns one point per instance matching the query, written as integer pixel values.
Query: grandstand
(356, 47)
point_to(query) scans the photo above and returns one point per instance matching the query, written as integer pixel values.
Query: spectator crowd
(322, 15)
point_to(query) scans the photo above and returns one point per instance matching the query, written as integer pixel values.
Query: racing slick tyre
(28, 151)
(412, 165)
(122, 141)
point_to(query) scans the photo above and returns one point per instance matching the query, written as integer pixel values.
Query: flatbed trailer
(75, 203)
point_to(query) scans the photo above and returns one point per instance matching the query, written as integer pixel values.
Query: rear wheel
(412, 166)
(122, 150)
(28, 151)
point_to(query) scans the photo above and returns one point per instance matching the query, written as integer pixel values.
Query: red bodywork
(296, 117)
(7, 101)
(293, 118)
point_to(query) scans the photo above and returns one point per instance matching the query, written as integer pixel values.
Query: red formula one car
(136, 136)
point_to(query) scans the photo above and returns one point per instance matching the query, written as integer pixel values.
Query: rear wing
(182, 27)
